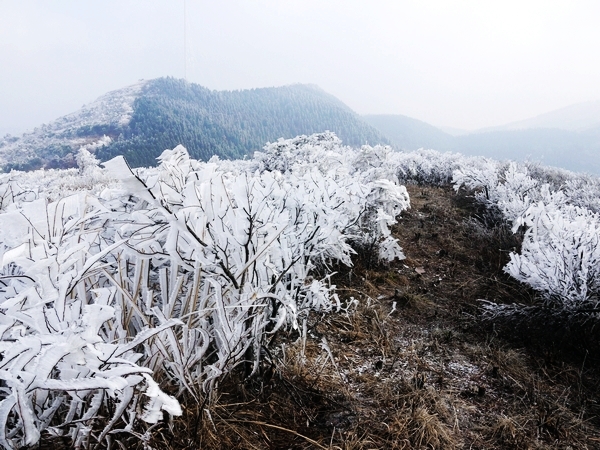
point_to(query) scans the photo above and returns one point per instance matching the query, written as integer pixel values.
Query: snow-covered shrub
(560, 255)
(257, 237)
(172, 275)
(506, 186)
(428, 166)
(583, 191)
(360, 185)
(555, 177)
(376, 163)
(557, 211)
(65, 350)
(52, 184)
(253, 242)
(320, 150)
(86, 162)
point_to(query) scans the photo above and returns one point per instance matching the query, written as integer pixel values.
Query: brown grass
(410, 365)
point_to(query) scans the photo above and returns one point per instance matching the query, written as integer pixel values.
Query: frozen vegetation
(114, 281)
(63, 136)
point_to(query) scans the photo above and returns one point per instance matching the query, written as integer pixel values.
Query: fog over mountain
(567, 138)
(408, 133)
(465, 65)
(578, 117)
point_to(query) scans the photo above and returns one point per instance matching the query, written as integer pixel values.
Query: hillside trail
(408, 362)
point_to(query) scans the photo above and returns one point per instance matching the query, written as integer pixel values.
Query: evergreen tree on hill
(230, 124)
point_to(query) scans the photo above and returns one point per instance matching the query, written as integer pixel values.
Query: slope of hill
(408, 133)
(53, 144)
(141, 121)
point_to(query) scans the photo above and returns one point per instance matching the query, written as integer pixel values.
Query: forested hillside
(141, 120)
(230, 124)
(165, 112)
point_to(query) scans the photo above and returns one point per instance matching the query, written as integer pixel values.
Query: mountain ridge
(572, 150)
(64, 135)
(142, 120)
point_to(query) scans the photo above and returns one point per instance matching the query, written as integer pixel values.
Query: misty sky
(463, 64)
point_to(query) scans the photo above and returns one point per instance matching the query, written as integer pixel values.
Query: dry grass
(409, 365)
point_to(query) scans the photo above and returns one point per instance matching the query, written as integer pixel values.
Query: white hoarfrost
(557, 211)
(117, 283)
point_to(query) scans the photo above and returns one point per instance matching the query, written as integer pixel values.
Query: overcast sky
(463, 64)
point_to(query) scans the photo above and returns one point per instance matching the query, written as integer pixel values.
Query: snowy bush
(583, 191)
(360, 185)
(320, 150)
(560, 254)
(506, 186)
(557, 211)
(428, 166)
(173, 275)
(54, 184)
(65, 350)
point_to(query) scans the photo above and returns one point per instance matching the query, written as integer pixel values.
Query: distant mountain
(455, 131)
(578, 117)
(409, 134)
(577, 151)
(142, 120)
(574, 150)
